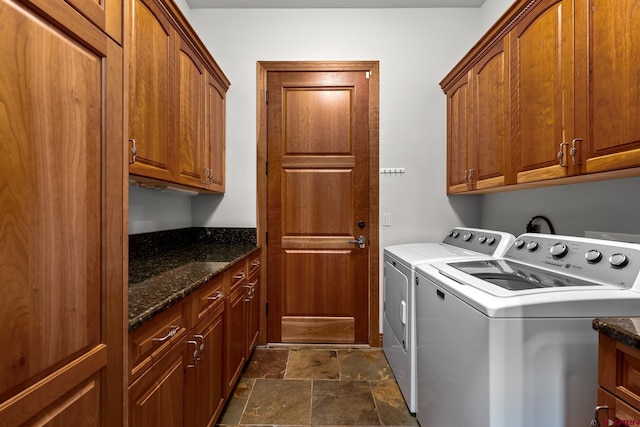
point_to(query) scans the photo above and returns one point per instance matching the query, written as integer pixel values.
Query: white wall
(607, 206)
(153, 210)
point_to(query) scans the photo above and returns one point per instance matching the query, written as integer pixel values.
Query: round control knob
(491, 240)
(532, 246)
(450, 233)
(467, 237)
(482, 239)
(559, 250)
(455, 234)
(519, 244)
(618, 260)
(593, 256)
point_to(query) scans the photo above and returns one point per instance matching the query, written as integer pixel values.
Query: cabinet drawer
(253, 263)
(151, 340)
(238, 274)
(619, 369)
(207, 297)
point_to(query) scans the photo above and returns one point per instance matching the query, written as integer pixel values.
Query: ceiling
(318, 4)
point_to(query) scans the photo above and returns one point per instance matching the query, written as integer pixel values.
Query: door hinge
(266, 308)
(266, 96)
(266, 168)
(368, 74)
(266, 237)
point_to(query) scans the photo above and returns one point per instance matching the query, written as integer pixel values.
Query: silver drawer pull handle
(196, 356)
(239, 276)
(201, 338)
(174, 330)
(216, 296)
(255, 263)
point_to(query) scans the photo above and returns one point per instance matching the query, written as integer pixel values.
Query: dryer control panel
(486, 242)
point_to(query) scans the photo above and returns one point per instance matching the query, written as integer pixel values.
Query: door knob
(360, 241)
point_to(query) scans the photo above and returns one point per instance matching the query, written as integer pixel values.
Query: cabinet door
(151, 64)
(215, 122)
(105, 14)
(156, 398)
(542, 89)
(253, 312)
(206, 391)
(608, 91)
(190, 141)
(459, 122)
(491, 101)
(62, 179)
(235, 339)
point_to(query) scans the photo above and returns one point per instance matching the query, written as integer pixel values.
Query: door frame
(263, 67)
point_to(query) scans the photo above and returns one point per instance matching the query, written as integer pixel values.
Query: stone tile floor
(307, 386)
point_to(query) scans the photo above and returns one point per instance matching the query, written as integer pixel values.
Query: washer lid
(515, 276)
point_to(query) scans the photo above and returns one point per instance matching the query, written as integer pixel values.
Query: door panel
(318, 192)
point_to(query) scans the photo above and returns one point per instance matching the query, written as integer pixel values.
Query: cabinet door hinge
(266, 237)
(266, 96)
(266, 308)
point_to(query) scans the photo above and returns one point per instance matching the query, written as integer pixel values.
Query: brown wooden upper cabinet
(176, 102)
(550, 92)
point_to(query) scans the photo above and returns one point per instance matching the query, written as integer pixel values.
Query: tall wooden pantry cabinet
(62, 192)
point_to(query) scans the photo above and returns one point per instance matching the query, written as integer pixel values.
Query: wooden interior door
(317, 202)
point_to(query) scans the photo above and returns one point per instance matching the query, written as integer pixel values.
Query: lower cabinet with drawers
(184, 362)
(619, 383)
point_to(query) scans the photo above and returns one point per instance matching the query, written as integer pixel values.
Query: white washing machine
(509, 341)
(398, 339)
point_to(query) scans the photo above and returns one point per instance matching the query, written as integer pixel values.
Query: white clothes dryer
(400, 261)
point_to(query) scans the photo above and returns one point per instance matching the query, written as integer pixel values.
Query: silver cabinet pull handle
(201, 338)
(196, 356)
(172, 332)
(239, 276)
(217, 295)
(361, 241)
(594, 421)
(134, 150)
(255, 264)
(561, 154)
(574, 151)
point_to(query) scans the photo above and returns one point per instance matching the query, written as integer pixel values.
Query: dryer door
(396, 301)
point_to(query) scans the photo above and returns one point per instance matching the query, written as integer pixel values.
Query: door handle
(360, 241)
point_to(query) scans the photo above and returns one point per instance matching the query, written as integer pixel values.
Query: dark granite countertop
(623, 329)
(159, 280)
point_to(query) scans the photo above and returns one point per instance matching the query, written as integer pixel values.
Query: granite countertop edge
(622, 329)
(156, 294)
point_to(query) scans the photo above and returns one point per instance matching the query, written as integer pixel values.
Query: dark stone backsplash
(151, 254)
(149, 244)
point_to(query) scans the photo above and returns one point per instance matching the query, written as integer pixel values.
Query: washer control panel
(616, 263)
(486, 242)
